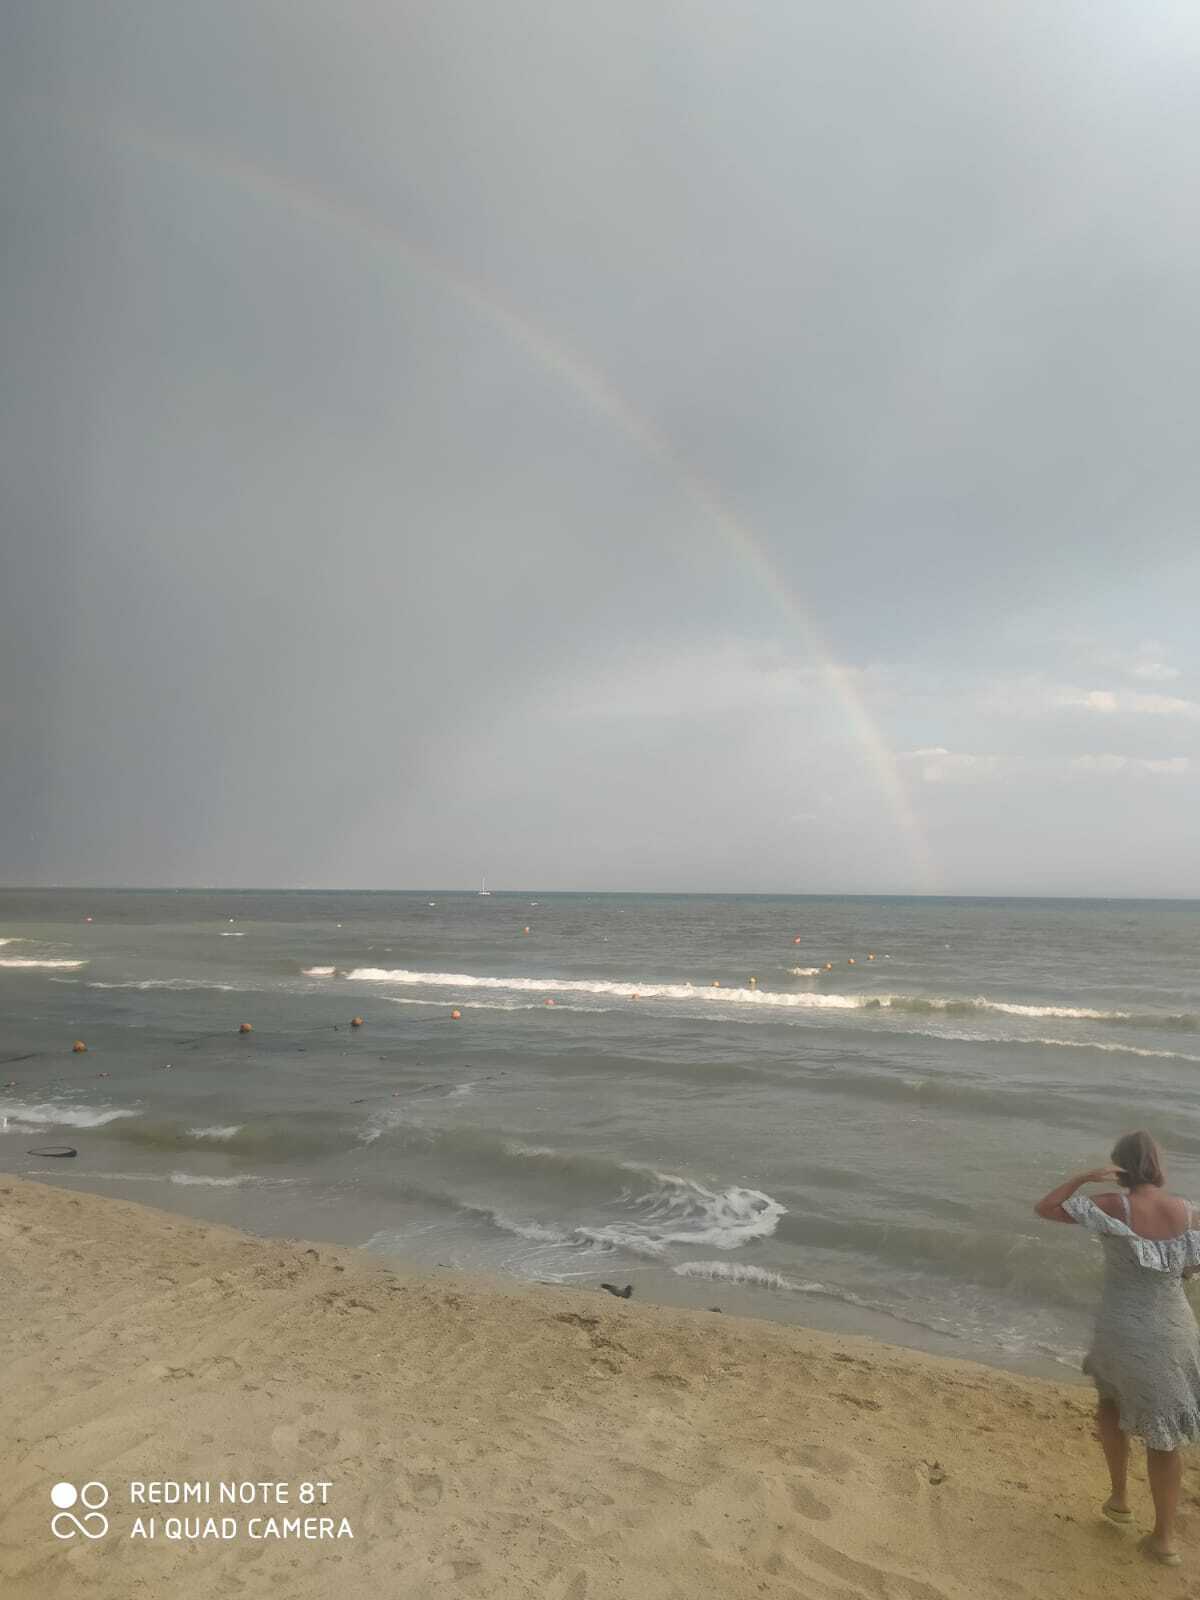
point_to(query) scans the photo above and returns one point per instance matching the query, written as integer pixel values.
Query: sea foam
(62, 1115)
(28, 961)
(719, 994)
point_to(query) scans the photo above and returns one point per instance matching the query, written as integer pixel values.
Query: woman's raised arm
(1049, 1207)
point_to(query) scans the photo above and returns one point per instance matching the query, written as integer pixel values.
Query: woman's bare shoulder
(1110, 1204)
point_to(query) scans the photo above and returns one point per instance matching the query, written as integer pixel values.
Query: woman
(1145, 1355)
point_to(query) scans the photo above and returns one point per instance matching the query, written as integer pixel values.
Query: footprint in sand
(426, 1488)
(831, 1463)
(807, 1503)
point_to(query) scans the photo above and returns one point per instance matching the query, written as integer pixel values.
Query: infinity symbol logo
(93, 1525)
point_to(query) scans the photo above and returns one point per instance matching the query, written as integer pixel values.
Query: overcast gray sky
(641, 445)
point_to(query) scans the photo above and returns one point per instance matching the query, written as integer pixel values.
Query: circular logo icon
(92, 1524)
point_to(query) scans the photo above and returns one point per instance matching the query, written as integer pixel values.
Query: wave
(169, 983)
(1108, 1046)
(62, 1115)
(539, 1232)
(1115, 1049)
(495, 1005)
(675, 1211)
(680, 1211)
(198, 1180)
(319, 972)
(734, 1272)
(635, 1207)
(804, 972)
(1050, 1105)
(599, 986)
(226, 935)
(184, 1179)
(1025, 1266)
(951, 1005)
(278, 1140)
(28, 961)
(965, 1329)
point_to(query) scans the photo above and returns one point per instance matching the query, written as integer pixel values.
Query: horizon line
(696, 894)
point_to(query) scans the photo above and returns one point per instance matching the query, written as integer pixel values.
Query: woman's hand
(1050, 1206)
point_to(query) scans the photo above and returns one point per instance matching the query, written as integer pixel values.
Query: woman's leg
(1116, 1451)
(1164, 1469)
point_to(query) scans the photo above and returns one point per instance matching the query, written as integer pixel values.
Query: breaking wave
(62, 1115)
(29, 961)
(195, 1179)
(734, 1272)
(950, 1005)
(680, 1211)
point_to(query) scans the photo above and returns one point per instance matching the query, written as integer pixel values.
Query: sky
(650, 446)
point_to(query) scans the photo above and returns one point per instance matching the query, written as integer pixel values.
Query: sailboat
(483, 888)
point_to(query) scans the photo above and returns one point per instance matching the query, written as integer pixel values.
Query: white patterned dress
(1145, 1352)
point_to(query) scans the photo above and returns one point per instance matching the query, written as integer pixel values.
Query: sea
(831, 1111)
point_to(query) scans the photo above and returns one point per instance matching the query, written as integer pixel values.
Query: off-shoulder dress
(1145, 1352)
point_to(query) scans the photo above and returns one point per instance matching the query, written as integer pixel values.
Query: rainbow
(324, 210)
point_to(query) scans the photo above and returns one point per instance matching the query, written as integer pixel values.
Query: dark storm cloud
(370, 377)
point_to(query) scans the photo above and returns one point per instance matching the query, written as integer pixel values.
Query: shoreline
(809, 1309)
(495, 1439)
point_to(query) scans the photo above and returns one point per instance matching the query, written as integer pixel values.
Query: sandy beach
(495, 1440)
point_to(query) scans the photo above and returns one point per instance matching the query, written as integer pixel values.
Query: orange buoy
(871, 957)
(245, 1028)
(356, 1022)
(524, 930)
(79, 1047)
(850, 961)
(455, 1015)
(829, 966)
(716, 983)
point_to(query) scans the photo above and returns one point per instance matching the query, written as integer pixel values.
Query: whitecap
(734, 1272)
(198, 1180)
(28, 961)
(62, 1115)
(718, 994)
(680, 1211)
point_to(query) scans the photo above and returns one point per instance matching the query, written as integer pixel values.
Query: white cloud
(1163, 766)
(1147, 661)
(1131, 702)
(1154, 671)
(1034, 697)
(936, 764)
